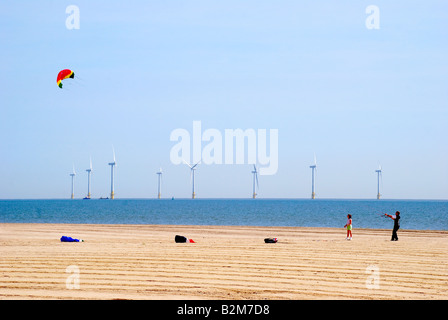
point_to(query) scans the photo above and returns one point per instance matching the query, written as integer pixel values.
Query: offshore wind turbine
(379, 175)
(73, 174)
(89, 171)
(159, 173)
(112, 166)
(313, 171)
(192, 168)
(255, 173)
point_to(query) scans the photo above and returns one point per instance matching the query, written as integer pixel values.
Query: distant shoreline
(216, 226)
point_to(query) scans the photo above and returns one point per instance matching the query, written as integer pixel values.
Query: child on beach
(396, 225)
(348, 225)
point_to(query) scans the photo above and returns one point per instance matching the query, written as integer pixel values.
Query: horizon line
(245, 198)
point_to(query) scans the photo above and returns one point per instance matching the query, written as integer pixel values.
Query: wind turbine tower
(192, 168)
(379, 175)
(112, 166)
(89, 171)
(160, 183)
(313, 169)
(255, 173)
(73, 174)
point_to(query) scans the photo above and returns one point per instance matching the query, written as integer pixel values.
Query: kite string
(79, 78)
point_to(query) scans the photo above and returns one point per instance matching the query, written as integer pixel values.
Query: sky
(355, 97)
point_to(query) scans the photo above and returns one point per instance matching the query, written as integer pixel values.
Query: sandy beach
(144, 262)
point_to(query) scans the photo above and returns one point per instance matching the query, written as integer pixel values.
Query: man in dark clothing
(396, 225)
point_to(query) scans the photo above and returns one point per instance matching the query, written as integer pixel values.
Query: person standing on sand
(348, 225)
(396, 225)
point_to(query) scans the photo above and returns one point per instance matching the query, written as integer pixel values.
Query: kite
(64, 74)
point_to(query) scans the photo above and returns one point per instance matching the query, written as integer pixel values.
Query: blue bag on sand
(70, 239)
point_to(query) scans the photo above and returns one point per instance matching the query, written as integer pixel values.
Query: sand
(144, 262)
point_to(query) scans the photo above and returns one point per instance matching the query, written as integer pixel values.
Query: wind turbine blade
(186, 162)
(381, 178)
(255, 172)
(256, 178)
(90, 163)
(196, 164)
(113, 150)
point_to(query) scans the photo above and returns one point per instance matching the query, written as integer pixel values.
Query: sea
(415, 214)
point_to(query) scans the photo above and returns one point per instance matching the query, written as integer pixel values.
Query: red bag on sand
(182, 239)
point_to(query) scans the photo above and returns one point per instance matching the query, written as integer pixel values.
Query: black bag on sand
(270, 240)
(180, 239)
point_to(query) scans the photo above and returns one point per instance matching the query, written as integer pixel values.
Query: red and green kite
(64, 74)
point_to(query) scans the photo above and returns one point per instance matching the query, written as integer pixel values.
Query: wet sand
(226, 262)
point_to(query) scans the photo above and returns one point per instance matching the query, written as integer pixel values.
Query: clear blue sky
(355, 97)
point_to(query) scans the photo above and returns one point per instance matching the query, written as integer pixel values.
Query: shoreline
(219, 226)
(226, 262)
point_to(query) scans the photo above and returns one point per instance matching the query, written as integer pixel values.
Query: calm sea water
(416, 214)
